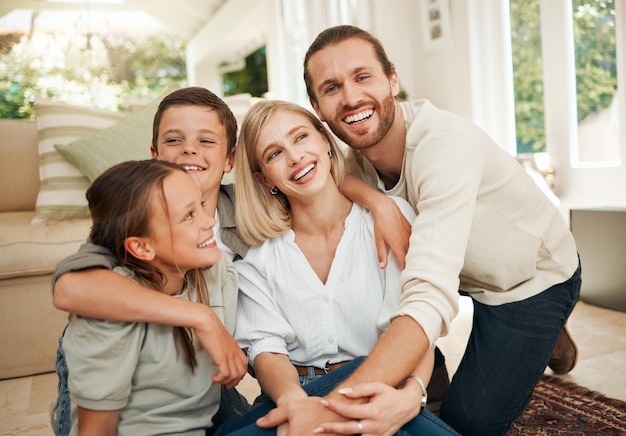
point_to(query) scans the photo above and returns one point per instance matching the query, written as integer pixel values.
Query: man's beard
(358, 141)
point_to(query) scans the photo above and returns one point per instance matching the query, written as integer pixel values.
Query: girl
(142, 378)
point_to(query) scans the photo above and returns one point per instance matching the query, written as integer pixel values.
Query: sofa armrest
(19, 165)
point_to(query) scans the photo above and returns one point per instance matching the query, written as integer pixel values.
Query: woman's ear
(262, 180)
(139, 248)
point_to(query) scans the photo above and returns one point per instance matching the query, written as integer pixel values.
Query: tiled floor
(600, 334)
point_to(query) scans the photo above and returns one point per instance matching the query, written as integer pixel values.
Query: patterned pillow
(129, 139)
(62, 192)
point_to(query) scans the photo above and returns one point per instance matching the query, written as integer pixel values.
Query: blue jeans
(507, 352)
(425, 423)
(60, 414)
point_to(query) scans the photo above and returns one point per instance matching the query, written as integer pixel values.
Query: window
(594, 65)
(248, 77)
(100, 59)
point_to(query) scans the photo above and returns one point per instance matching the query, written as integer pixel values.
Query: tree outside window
(596, 71)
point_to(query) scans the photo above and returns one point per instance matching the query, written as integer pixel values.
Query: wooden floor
(599, 333)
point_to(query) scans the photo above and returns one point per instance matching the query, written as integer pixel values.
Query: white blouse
(284, 308)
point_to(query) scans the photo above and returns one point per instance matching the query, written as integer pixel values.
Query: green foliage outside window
(251, 79)
(596, 71)
(103, 71)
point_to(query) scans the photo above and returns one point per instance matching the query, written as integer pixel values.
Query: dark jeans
(60, 418)
(425, 423)
(506, 355)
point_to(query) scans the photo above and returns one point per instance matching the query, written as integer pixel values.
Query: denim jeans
(507, 352)
(425, 423)
(60, 418)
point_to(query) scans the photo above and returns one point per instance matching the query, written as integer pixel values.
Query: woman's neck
(320, 215)
(318, 225)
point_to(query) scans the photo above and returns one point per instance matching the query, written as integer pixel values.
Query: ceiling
(184, 17)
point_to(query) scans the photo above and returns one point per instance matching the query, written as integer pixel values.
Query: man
(483, 227)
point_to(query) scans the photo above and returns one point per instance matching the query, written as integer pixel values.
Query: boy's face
(193, 136)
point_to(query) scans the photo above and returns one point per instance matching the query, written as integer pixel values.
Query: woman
(312, 298)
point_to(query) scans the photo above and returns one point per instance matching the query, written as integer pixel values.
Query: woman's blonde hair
(259, 214)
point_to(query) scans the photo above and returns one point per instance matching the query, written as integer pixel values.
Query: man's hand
(387, 410)
(231, 362)
(300, 417)
(391, 229)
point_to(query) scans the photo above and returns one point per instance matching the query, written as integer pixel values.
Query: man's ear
(140, 248)
(394, 81)
(317, 110)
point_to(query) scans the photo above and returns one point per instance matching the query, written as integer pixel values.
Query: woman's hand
(387, 410)
(299, 417)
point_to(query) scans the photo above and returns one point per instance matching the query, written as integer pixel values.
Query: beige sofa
(29, 324)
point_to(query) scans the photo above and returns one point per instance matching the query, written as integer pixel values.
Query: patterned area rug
(564, 408)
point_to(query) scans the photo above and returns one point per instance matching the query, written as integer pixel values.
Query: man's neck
(387, 156)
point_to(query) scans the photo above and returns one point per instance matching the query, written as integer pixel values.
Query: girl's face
(182, 236)
(293, 156)
(194, 137)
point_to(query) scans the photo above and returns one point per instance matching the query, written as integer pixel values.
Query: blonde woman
(313, 298)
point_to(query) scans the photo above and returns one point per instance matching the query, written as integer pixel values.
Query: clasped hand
(371, 409)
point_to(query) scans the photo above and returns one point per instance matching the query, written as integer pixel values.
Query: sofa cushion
(62, 192)
(27, 250)
(128, 139)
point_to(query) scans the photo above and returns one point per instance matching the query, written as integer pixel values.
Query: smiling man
(483, 229)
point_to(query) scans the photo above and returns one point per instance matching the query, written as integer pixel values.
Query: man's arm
(396, 355)
(391, 228)
(398, 351)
